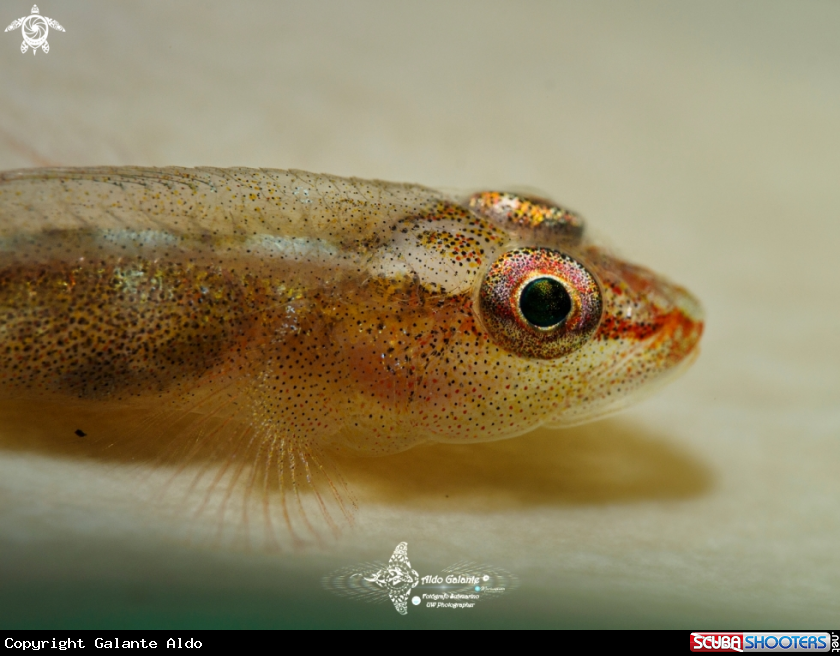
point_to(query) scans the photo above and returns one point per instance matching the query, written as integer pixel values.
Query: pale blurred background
(701, 139)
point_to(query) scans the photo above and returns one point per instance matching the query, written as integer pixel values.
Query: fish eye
(539, 303)
(544, 302)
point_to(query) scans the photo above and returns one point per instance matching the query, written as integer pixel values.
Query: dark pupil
(545, 302)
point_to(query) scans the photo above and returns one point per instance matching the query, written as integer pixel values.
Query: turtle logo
(34, 29)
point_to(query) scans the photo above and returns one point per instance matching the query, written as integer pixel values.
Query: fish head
(521, 321)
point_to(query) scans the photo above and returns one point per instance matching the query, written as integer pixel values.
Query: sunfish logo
(35, 29)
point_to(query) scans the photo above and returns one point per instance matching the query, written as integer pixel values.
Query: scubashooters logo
(461, 585)
(751, 641)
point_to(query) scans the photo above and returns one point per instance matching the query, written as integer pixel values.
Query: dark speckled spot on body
(108, 330)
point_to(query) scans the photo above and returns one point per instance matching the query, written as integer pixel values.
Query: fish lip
(684, 318)
(688, 304)
(686, 329)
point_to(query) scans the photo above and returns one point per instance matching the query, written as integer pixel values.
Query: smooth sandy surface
(699, 139)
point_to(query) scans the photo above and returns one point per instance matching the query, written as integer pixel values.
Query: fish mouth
(673, 348)
(647, 365)
(660, 321)
(647, 348)
(683, 326)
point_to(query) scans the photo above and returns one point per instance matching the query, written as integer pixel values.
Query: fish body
(312, 310)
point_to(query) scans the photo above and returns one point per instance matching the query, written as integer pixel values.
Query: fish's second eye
(539, 303)
(544, 302)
